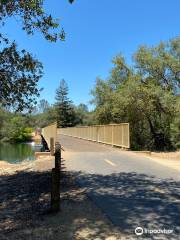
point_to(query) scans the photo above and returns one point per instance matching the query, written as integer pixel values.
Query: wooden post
(52, 146)
(55, 188)
(57, 155)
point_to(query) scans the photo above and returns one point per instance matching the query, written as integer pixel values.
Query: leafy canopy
(19, 76)
(33, 17)
(145, 94)
(19, 70)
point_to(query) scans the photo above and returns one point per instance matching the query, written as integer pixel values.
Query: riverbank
(25, 202)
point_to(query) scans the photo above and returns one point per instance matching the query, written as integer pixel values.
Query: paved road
(132, 190)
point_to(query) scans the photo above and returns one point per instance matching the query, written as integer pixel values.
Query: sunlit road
(96, 158)
(132, 190)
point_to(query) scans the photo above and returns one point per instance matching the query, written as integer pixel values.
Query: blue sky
(97, 30)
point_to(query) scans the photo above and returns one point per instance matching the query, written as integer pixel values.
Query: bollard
(55, 189)
(52, 146)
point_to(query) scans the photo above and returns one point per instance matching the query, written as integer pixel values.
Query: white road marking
(111, 163)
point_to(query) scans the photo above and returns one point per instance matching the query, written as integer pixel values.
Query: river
(16, 153)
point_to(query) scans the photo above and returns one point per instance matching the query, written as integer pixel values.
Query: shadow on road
(25, 204)
(131, 200)
(128, 199)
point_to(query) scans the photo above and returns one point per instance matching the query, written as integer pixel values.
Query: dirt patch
(25, 203)
(168, 159)
(167, 155)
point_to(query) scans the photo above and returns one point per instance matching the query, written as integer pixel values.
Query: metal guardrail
(113, 134)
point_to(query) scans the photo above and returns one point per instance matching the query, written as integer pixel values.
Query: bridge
(132, 190)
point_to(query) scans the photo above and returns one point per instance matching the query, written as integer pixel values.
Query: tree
(150, 111)
(65, 110)
(159, 68)
(43, 106)
(83, 115)
(103, 101)
(33, 17)
(14, 127)
(19, 71)
(43, 119)
(160, 64)
(19, 76)
(5, 117)
(145, 95)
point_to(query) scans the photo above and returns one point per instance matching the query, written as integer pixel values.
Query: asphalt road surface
(132, 190)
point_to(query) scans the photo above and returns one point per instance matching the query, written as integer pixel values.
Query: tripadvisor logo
(139, 231)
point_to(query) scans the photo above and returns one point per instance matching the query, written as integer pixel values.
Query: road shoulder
(171, 160)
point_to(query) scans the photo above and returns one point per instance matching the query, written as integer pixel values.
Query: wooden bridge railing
(114, 134)
(49, 133)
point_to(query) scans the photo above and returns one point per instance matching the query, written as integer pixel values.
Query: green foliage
(42, 107)
(83, 116)
(19, 71)
(19, 76)
(33, 18)
(14, 127)
(64, 106)
(44, 118)
(160, 64)
(145, 95)
(175, 125)
(4, 119)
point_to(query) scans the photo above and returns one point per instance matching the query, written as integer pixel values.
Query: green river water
(16, 153)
